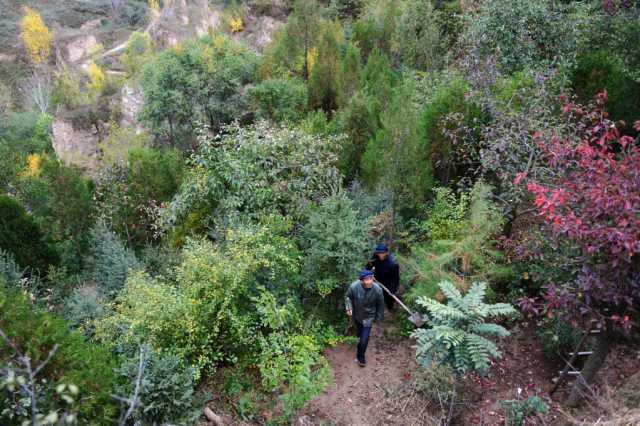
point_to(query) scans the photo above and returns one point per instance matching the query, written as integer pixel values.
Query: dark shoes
(361, 364)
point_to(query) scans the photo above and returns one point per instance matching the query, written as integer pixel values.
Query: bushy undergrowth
(238, 256)
(466, 252)
(76, 361)
(167, 390)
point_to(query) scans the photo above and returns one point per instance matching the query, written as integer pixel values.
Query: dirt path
(364, 396)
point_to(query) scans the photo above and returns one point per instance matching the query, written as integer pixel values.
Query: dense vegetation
(206, 247)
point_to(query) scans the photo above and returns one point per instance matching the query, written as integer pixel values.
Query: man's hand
(349, 312)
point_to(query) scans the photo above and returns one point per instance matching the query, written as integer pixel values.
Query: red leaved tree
(593, 201)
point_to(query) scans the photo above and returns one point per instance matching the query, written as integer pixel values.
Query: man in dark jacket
(365, 303)
(386, 271)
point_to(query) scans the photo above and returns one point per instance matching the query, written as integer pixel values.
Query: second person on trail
(364, 302)
(386, 271)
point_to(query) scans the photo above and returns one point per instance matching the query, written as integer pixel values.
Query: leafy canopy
(36, 36)
(253, 171)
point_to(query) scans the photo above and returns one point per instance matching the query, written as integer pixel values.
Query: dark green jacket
(367, 305)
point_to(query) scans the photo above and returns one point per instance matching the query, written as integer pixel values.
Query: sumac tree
(594, 201)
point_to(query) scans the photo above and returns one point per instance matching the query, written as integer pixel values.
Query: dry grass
(612, 407)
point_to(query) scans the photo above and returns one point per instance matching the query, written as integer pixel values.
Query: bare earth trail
(364, 396)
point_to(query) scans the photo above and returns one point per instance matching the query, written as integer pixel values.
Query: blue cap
(366, 273)
(381, 248)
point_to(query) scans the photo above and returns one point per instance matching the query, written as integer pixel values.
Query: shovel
(414, 317)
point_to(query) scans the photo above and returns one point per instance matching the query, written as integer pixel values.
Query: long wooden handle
(394, 296)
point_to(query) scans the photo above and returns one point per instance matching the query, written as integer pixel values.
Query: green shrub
(459, 334)
(346, 9)
(601, 70)
(109, 262)
(67, 92)
(558, 338)
(21, 236)
(255, 171)
(279, 99)
(436, 147)
(416, 39)
(516, 91)
(349, 72)
(88, 366)
(396, 152)
(518, 411)
(10, 272)
(200, 80)
(207, 317)
(167, 391)
(129, 194)
(334, 242)
(10, 165)
(26, 132)
(525, 34)
(61, 200)
(161, 260)
(446, 218)
(357, 120)
(323, 80)
(470, 256)
(289, 360)
(83, 308)
(139, 50)
(373, 29)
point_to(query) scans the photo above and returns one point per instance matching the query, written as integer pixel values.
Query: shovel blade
(416, 319)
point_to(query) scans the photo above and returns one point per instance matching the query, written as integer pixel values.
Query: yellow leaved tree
(97, 79)
(36, 36)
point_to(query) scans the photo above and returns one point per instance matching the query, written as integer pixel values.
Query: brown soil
(364, 396)
(384, 392)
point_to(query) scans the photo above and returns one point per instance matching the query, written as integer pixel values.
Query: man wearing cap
(386, 271)
(365, 303)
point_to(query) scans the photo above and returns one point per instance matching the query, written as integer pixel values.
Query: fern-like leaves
(459, 333)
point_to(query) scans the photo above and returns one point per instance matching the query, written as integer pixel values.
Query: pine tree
(323, 81)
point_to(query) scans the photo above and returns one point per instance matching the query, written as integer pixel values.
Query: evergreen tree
(416, 39)
(22, 238)
(303, 26)
(349, 74)
(323, 82)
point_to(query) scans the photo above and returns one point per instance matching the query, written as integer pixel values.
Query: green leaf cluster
(458, 332)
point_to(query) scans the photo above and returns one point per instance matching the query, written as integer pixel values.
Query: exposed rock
(181, 20)
(75, 146)
(6, 57)
(131, 104)
(91, 25)
(210, 20)
(80, 47)
(259, 31)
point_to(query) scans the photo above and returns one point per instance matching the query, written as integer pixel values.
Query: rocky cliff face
(75, 146)
(131, 103)
(178, 20)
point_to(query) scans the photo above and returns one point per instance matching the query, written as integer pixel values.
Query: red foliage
(594, 200)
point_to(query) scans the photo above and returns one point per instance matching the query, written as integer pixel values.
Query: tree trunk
(305, 70)
(592, 366)
(507, 229)
(171, 135)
